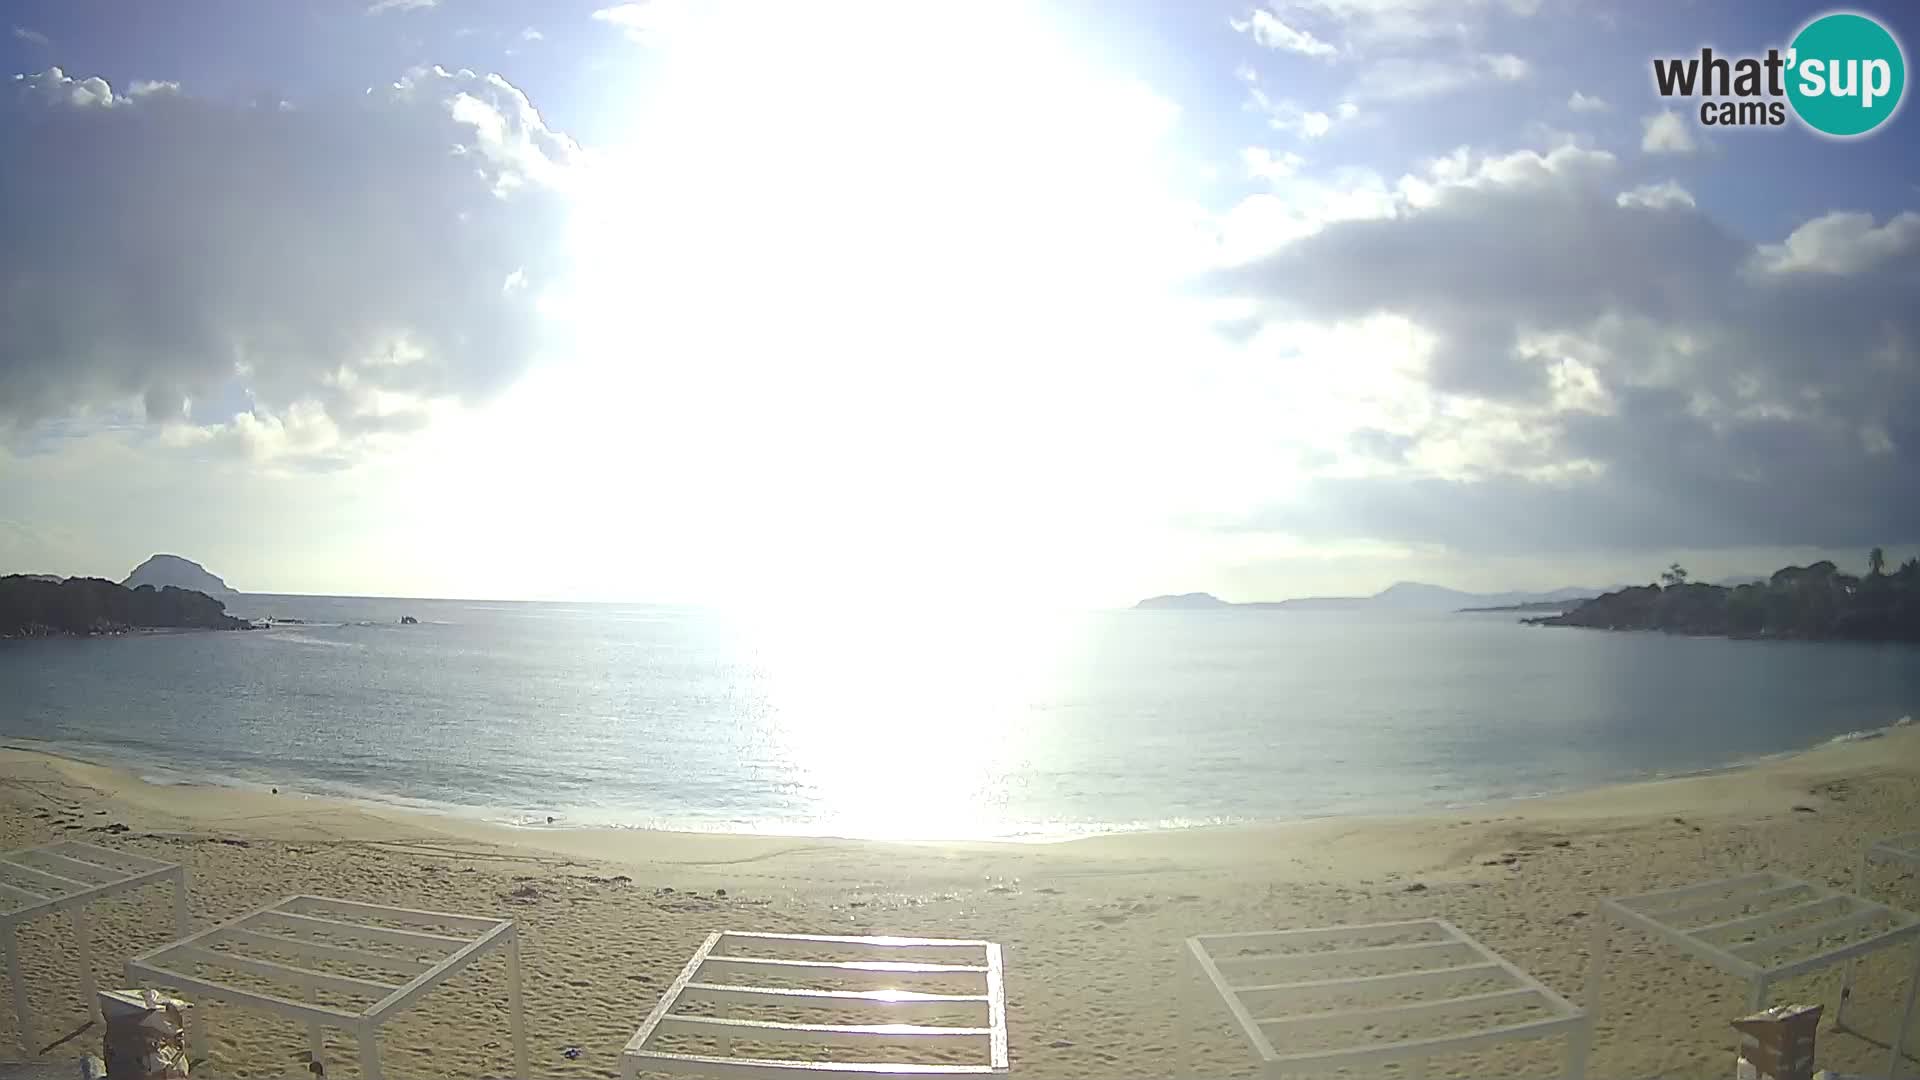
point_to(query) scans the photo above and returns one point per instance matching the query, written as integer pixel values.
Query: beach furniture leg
(21, 1018)
(317, 1046)
(1579, 1043)
(369, 1052)
(1597, 963)
(83, 949)
(1906, 1018)
(1184, 989)
(180, 918)
(517, 1018)
(1846, 970)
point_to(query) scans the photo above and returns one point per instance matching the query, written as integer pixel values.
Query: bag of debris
(146, 1035)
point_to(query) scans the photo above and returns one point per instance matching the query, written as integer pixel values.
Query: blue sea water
(924, 724)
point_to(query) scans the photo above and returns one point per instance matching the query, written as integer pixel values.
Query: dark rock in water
(408, 620)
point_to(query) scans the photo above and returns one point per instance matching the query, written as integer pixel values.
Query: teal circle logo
(1846, 74)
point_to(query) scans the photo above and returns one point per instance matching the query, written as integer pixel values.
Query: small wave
(303, 639)
(1857, 736)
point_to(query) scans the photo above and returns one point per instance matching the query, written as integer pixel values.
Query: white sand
(1092, 928)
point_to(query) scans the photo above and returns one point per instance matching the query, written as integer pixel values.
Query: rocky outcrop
(31, 607)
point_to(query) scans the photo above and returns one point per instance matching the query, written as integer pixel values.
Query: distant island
(1815, 602)
(46, 605)
(161, 571)
(1402, 596)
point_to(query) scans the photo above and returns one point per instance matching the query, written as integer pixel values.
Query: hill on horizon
(161, 571)
(1400, 596)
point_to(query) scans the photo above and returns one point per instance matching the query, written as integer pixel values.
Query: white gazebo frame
(69, 875)
(1902, 849)
(301, 920)
(866, 959)
(1449, 956)
(1694, 917)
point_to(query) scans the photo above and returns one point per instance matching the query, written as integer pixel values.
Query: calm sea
(918, 724)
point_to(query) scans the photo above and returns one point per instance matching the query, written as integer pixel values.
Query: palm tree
(1876, 562)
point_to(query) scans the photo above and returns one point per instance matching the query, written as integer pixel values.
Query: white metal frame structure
(1786, 922)
(711, 978)
(1902, 849)
(1439, 954)
(68, 875)
(434, 946)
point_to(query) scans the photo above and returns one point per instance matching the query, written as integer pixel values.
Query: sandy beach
(1092, 928)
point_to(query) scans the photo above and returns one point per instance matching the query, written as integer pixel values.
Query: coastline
(527, 823)
(1745, 787)
(1092, 926)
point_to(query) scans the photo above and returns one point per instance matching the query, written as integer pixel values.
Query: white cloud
(1264, 164)
(31, 36)
(338, 260)
(531, 34)
(1408, 78)
(144, 87)
(1405, 21)
(1599, 376)
(1290, 116)
(1667, 133)
(381, 7)
(647, 22)
(1841, 243)
(1566, 167)
(1580, 102)
(1662, 196)
(1507, 67)
(1267, 29)
(55, 86)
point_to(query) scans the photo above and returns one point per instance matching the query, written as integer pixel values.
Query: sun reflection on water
(903, 724)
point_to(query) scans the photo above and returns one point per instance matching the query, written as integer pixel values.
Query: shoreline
(376, 805)
(1696, 791)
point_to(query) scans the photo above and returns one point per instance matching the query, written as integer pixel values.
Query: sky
(1005, 302)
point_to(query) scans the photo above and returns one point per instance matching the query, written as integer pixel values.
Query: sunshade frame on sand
(1694, 917)
(302, 920)
(1901, 850)
(866, 958)
(1458, 955)
(69, 875)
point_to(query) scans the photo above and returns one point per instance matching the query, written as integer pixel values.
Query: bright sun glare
(890, 269)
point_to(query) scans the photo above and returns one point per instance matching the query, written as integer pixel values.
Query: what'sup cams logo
(1842, 75)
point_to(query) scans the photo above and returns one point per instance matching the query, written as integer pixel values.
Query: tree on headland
(1815, 602)
(1876, 562)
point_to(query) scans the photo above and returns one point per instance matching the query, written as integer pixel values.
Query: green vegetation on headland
(1815, 602)
(33, 606)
